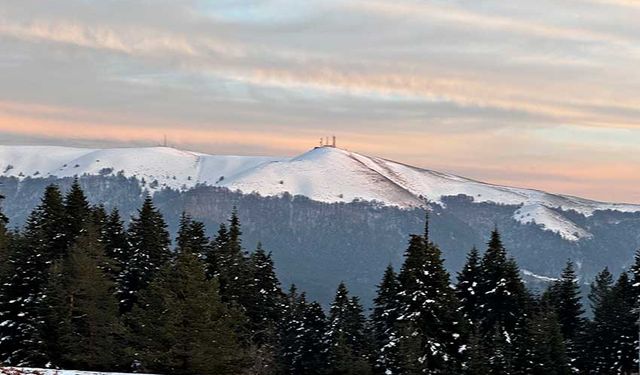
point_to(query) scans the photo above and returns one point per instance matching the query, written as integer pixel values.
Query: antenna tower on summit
(324, 142)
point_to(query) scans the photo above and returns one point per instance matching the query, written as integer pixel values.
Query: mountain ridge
(324, 174)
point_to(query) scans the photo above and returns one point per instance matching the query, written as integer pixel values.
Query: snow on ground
(550, 220)
(324, 174)
(35, 371)
(539, 277)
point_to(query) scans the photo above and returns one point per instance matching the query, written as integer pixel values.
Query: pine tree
(624, 326)
(231, 263)
(77, 213)
(601, 288)
(313, 346)
(564, 296)
(181, 325)
(635, 271)
(83, 329)
(116, 246)
(346, 336)
(386, 309)
(291, 332)
(428, 317)
(21, 303)
(599, 341)
(502, 294)
(264, 305)
(98, 218)
(467, 289)
(46, 227)
(235, 232)
(5, 247)
(475, 355)
(148, 252)
(265, 301)
(215, 250)
(542, 349)
(192, 236)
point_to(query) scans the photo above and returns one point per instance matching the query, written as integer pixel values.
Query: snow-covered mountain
(324, 174)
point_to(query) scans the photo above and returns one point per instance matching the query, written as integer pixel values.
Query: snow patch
(539, 277)
(37, 371)
(550, 220)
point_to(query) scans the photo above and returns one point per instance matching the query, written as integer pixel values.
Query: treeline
(80, 290)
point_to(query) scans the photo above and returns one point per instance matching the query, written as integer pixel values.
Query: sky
(533, 93)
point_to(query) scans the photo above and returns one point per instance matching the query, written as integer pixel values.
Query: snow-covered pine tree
(346, 336)
(303, 348)
(475, 360)
(428, 321)
(313, 346)
(292, 333)
(502, 293)
(384, 320)
(215, 249)
(564, 296)
(265, 301)
(231, 263)
(116, 245)
(83, 327)
(635, 271)
(468, 293)
(467, 289)
(21, 304)
(148, 252)
(192, 236)
(624, 326)
(613, 332)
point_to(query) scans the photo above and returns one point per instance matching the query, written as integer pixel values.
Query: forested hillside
(316, 243)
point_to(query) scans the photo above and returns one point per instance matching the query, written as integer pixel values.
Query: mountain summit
(324, 174)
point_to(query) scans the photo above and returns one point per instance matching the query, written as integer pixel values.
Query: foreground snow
(323, 174)
(35, 371)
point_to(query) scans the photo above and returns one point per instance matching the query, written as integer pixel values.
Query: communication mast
(325, 142)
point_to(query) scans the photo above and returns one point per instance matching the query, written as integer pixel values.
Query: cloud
(477, 87)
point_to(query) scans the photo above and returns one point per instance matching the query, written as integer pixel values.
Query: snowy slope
(35, 371)
(324, 174)
(168, 166)
(328, 174)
